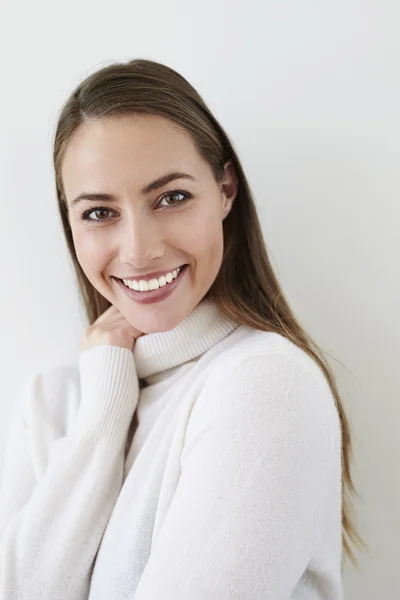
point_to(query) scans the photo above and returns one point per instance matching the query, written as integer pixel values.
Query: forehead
(126, 150)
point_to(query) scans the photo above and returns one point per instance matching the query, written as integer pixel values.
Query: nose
(141, 242)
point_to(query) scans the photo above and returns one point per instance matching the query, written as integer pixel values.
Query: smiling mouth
(149, 285)
(158, 286)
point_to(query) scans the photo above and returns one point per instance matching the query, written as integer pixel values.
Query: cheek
(91, 252)
(203, 238)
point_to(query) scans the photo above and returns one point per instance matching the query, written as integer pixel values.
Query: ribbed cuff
(109, 393)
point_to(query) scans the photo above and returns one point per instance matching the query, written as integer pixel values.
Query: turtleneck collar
(157, 355)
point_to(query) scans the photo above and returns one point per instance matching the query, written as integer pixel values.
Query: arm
(245, 515)
(51, 528)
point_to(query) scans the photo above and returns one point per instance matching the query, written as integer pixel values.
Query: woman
(200, 448)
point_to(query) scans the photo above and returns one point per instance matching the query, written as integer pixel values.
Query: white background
(309, 93)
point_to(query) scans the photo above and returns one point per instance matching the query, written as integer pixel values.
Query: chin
(150, 320)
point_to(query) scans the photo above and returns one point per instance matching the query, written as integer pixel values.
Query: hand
(111, 328)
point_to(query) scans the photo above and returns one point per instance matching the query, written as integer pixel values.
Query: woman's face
(139, 232)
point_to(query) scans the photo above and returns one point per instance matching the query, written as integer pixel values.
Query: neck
(158, 355)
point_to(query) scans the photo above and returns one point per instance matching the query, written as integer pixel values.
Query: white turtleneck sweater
(230, 488)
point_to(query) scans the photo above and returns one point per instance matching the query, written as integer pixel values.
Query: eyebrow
(146, 190)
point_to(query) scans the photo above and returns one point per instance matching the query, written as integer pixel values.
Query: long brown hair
(246, 288)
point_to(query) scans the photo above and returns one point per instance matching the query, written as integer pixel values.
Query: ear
(229, 186)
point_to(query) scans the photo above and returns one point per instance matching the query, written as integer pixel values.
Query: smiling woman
(199, 447)
(130, 163)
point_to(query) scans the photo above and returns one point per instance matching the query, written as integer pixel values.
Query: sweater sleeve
(258, 451)
(51, 526)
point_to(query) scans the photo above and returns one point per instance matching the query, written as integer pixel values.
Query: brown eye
(99, 211)
(175, 193)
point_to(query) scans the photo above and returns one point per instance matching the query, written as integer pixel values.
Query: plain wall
(309, 93)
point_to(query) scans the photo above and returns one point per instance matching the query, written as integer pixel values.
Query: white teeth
(153, 284)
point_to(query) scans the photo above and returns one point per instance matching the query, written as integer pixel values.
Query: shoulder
(264, 405)
(249, 346)
(264, 379)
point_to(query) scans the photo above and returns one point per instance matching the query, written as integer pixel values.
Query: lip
(153, 295)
